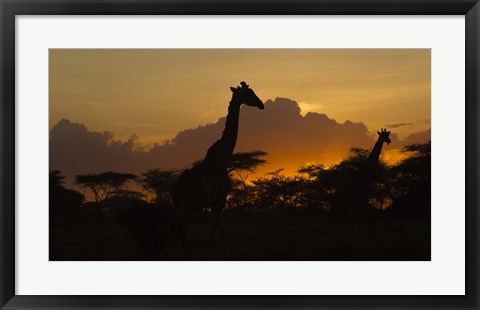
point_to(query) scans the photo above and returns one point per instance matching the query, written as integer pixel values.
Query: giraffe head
(383, 136)
(245, 95)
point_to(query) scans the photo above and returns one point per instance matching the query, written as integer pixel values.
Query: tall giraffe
(205, 186)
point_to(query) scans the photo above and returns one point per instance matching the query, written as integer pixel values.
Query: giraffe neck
(374, 156)
(221, 151)
(229, 135)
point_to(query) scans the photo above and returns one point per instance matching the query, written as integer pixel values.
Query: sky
(321, 100)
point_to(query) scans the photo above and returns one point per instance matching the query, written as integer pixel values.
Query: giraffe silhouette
(205, 186)
(368, 175)
(372, 162)
(356, 190)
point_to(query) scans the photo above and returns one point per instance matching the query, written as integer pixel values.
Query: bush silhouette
(104, 185)
(273, 217)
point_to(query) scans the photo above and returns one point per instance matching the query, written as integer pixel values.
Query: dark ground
(94, 234)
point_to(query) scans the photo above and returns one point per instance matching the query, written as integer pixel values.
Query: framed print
(241, 154)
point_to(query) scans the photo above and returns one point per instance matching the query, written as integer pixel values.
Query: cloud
(398, 125)
(423, 121)
(290, 139)
(74, 149)
(418, 137)
(309, 107)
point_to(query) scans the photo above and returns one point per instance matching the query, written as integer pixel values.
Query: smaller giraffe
(355, 192)
(372, 162)
(368, 174)
(205, 186)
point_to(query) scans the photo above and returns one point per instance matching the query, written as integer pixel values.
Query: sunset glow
(240, 155)
(155, 94)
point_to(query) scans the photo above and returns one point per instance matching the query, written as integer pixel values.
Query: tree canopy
(104, 185)
(247, 161)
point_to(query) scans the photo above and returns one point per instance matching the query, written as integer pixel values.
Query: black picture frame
(10, 8)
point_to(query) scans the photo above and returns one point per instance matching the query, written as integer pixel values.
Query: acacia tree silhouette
(160, 183)
(104, 185)
(276, 221)
(206, 184)
(62, 198)
(411, 183)
(241, 166)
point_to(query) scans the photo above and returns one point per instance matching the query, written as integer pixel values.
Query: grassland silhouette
(358, 209)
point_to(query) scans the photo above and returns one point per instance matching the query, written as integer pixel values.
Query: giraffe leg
(217, 228)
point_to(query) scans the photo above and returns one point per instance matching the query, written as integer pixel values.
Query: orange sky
(160, 92)
(156, 93)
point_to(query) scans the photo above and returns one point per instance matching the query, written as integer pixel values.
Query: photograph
(239, 154)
